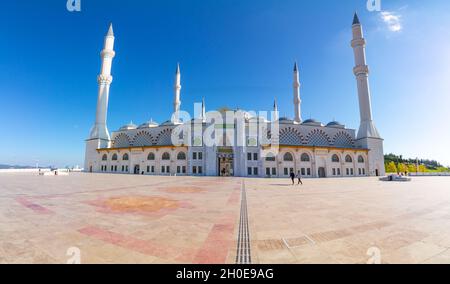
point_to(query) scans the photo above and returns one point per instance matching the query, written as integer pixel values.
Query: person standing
(299, 177)
(292, 175)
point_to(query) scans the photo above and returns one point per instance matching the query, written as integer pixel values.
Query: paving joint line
(243, 253)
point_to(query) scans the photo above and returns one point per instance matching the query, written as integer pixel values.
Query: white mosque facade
(308, 147)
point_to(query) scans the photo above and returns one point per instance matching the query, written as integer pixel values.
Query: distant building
(306, 147)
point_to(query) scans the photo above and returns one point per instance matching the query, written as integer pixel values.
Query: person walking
(292, 175)
(299, 177)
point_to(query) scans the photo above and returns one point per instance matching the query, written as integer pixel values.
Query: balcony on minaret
(361, 70)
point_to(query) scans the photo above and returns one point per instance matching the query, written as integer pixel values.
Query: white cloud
(392, 20)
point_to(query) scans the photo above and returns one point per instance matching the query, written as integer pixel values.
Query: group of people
(294, 176)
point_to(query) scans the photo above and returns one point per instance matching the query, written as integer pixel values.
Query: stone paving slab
(340, 220)
(145, 219)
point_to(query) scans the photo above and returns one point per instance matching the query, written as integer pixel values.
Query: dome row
(132, 126)
(313, 122)
(284, 120)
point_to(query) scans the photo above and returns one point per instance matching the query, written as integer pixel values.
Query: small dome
(167, 123)
(148, 124)
(286, 120)
(129, 126)
(312, 122)
(335, 124)
(257, 119)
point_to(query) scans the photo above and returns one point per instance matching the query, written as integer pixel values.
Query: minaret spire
(110, 30)
(356, 19)
(203, 110)
(275, 110)
(100, 131)
(297, 100)
(177, 98)
(367, 128)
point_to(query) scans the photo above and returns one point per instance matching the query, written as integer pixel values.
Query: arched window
(290, 136)
(121, 141)
(166, 156)
(181, 156)
(125, 157)
(151, 157)
(114, 157)
(105, 157)
(348, 159)
(305, 158)
(335, 158)
(360, 159)
(164, 137)
(143, 139)
(288, 157)
(318, 137)
(343, 139)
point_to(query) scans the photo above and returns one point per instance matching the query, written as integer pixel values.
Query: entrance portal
(136, 169)
(322, 173)
(225, 162)
(225, 167)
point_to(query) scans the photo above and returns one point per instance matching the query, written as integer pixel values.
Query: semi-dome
(129, 126)
(335, 124)
(149, 124)
(312, 122)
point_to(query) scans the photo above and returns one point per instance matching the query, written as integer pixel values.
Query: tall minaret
(100, 131)
(367, 128)
(177, 100)
(368, 136)
(297, 100)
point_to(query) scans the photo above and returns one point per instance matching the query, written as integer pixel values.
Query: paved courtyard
(144, 219)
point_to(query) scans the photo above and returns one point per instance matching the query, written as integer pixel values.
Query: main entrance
(136, 169)
(225, 162)
(322, 173)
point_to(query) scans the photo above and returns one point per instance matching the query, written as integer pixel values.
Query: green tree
(391, 167)
(401, 168)
(412, 168)
(422, 168)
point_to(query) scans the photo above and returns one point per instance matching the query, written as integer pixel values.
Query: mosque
(245, 146)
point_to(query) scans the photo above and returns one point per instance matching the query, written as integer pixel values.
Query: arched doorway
(322, 173)
(377, 173)
(225, 162)
(136, 169)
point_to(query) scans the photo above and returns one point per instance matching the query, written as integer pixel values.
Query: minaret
(99, 136)
(275, 111)
(100, 131)
(368, 136)
(367, 128)
(297, 100)
(177, 100)
(203, 110)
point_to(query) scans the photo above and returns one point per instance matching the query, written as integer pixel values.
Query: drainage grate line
(243, 254)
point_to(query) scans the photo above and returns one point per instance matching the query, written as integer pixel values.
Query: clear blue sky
(233, 53)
